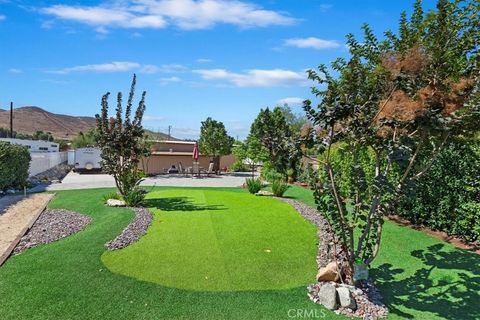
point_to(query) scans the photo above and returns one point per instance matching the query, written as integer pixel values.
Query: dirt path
(17, 215)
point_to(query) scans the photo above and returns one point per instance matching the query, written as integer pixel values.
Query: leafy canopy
(397, 98)
(214, 140)
(121, 141)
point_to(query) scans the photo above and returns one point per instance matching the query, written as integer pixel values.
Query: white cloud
(185, 14)
(47, 24)
(165, 81)
(116, 66)
(136, 35)
(102, 30)
(201, 60)
(150, 69)
(121, 66)
(173, 68)
(324, 7)
(148, 118)
(55, 81)
(2, 17)
(105, 17)
(255, 77)
(312, 42)
(291, 101)
(15, 70)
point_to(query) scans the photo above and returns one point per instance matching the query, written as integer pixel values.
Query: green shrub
(14, 164)
(291, 175)
(269, 174)
(447, 197)
(238, 166)
(112, 195)
(253, 185)
(279, 187)
(135, 197)
(305, 173)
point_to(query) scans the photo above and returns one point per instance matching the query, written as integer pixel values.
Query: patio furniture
(181, 169)
(196, 169)
(210, 169)
(173, 169)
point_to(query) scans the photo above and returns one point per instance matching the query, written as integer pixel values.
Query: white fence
(42, 161)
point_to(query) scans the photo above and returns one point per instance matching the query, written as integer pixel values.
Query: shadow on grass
(179, 204)
(454, 298)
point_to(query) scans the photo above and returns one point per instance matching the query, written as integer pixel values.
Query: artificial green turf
(421, 277)
(67, 280)
(211, 240)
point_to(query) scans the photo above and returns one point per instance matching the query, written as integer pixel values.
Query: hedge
(447, 198)
(14, 164)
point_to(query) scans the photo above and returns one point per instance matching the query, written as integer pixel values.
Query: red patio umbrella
(196, 154)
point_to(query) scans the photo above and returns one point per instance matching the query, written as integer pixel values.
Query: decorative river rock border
(134, 231)
(366, 295)
(52, 225)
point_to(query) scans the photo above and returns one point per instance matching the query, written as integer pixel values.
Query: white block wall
(42, 161)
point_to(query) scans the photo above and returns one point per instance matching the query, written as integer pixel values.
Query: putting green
(217, 240)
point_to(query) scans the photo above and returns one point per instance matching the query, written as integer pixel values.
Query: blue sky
(195, 58)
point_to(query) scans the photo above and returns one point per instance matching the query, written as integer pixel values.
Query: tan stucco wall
(155, 164)
(227, 161)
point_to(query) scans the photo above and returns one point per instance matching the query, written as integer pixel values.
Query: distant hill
(159, 135)
(30, 119)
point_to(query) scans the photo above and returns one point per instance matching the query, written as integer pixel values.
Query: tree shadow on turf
(179, 204)
(447, 298)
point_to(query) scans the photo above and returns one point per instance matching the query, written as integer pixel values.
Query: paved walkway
(17, 215)
(87, 181)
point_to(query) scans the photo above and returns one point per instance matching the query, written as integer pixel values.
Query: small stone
(357, 291)
(264, 193)
(115, 203)
(329, 273)
(328, 296)
(346, 298)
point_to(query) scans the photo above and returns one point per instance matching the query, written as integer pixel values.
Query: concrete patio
(88, 181)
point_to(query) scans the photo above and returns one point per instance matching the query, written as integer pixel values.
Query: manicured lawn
(68, 280)
(217, 232)
(419, 276)
(212, 240)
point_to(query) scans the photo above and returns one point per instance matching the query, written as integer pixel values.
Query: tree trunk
(216, 164)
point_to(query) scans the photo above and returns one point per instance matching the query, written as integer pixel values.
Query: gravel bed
(369, 299)
(134, 231)
(52, 225)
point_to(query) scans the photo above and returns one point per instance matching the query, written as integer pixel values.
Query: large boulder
(329, 273)
(328, 296)
(346, 298)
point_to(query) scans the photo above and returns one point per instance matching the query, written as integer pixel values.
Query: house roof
(173, 142)
(173, 153)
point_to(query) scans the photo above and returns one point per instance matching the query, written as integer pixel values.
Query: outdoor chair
(196, 169)
(210, 169)
(181, 169)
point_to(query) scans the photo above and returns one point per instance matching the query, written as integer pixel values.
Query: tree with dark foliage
(402, 99)
(271, 129)
(121, 143)
(214, 141)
